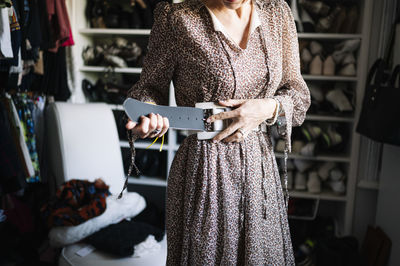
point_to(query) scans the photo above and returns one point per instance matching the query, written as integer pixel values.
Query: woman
(225, 204)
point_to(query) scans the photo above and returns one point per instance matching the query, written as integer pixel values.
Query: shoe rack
(338, 205)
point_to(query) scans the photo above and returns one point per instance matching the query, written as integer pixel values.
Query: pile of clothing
(85, 211)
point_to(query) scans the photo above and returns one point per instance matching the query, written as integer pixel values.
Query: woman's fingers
(224, 115)
(159, 126)
(228, 131)
(152, 125)
(165, 126)
(130, 124)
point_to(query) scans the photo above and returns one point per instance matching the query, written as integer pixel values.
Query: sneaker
(303, 165)
(300, 181)
(313, 183)
(308, 149)
(325, 169)
(338, 187)
(336, 174)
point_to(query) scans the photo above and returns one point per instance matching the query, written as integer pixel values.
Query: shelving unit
(345, 203)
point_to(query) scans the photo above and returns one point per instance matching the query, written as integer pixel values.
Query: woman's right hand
(148, 126)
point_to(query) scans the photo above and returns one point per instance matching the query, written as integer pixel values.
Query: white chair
(83, 143)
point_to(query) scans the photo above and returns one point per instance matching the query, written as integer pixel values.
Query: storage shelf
(330, 118)
(148, 181)
(91, 32)
(127, 70)
(368, 184)
(324, 195)
(329, 36)
(330, 158)
(144, 145)
(329, 78)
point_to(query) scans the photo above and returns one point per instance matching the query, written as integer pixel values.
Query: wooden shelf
(329, 36)
(330, 118)
(329, 78)
(133, 32)
(324, 195)
(326, 158)
(148, 181)
(127, 70)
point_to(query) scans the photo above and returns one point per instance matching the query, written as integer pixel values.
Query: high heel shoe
(313, 183)
(329, 67)
(316, 48)
(306, 58)
(316, 66)
(351, 22)
(325, 24)
(315, 7)
(308, 22)
(343, 48)
(348, 70)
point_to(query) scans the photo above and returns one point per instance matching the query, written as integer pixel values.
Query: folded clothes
(117, 209)
(120, 239)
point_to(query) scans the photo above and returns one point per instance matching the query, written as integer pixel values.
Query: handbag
(380, 114)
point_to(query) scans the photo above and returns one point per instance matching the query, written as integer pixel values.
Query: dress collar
(254, 22)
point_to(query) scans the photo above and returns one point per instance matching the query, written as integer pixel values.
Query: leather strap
(179, 117)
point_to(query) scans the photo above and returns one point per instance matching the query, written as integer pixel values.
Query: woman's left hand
(248, 114)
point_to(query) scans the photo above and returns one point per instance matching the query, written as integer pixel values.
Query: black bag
(380, 114)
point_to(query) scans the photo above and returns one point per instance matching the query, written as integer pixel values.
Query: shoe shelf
(99, 69)
(322, 158)
(329, 78)
(329, 36)
(324, 195)
(132, 32)
(147, 181)
(330, 118)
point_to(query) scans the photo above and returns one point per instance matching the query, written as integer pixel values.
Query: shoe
(315, 7)
(308, 22)
(326, 23)
(303, 165)
(316, 92)
(313, 183)
(316, 66)
(300, 181)
(297, 145)
(339, 22)
(308, 149)
(336, 174)
(316, 48)
(339, 100)
(296, 16)
(306, 58)
(348, 59)
(348, 70)
(311, 132)
(338, 187)
(329, 67)
(351, 22)
(343, 48)
(325, 169)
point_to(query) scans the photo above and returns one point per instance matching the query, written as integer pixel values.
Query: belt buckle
(211, 108)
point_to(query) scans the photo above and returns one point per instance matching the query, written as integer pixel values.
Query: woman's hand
(247, 116)
(149, 127)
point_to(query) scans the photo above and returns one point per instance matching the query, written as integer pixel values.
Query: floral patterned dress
(225, 203)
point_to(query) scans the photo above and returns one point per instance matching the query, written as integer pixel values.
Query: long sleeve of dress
(159, 63)
(293, 93)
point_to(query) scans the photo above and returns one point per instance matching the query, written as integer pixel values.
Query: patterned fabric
(225, 204)
(25, 108)
(76, 202)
